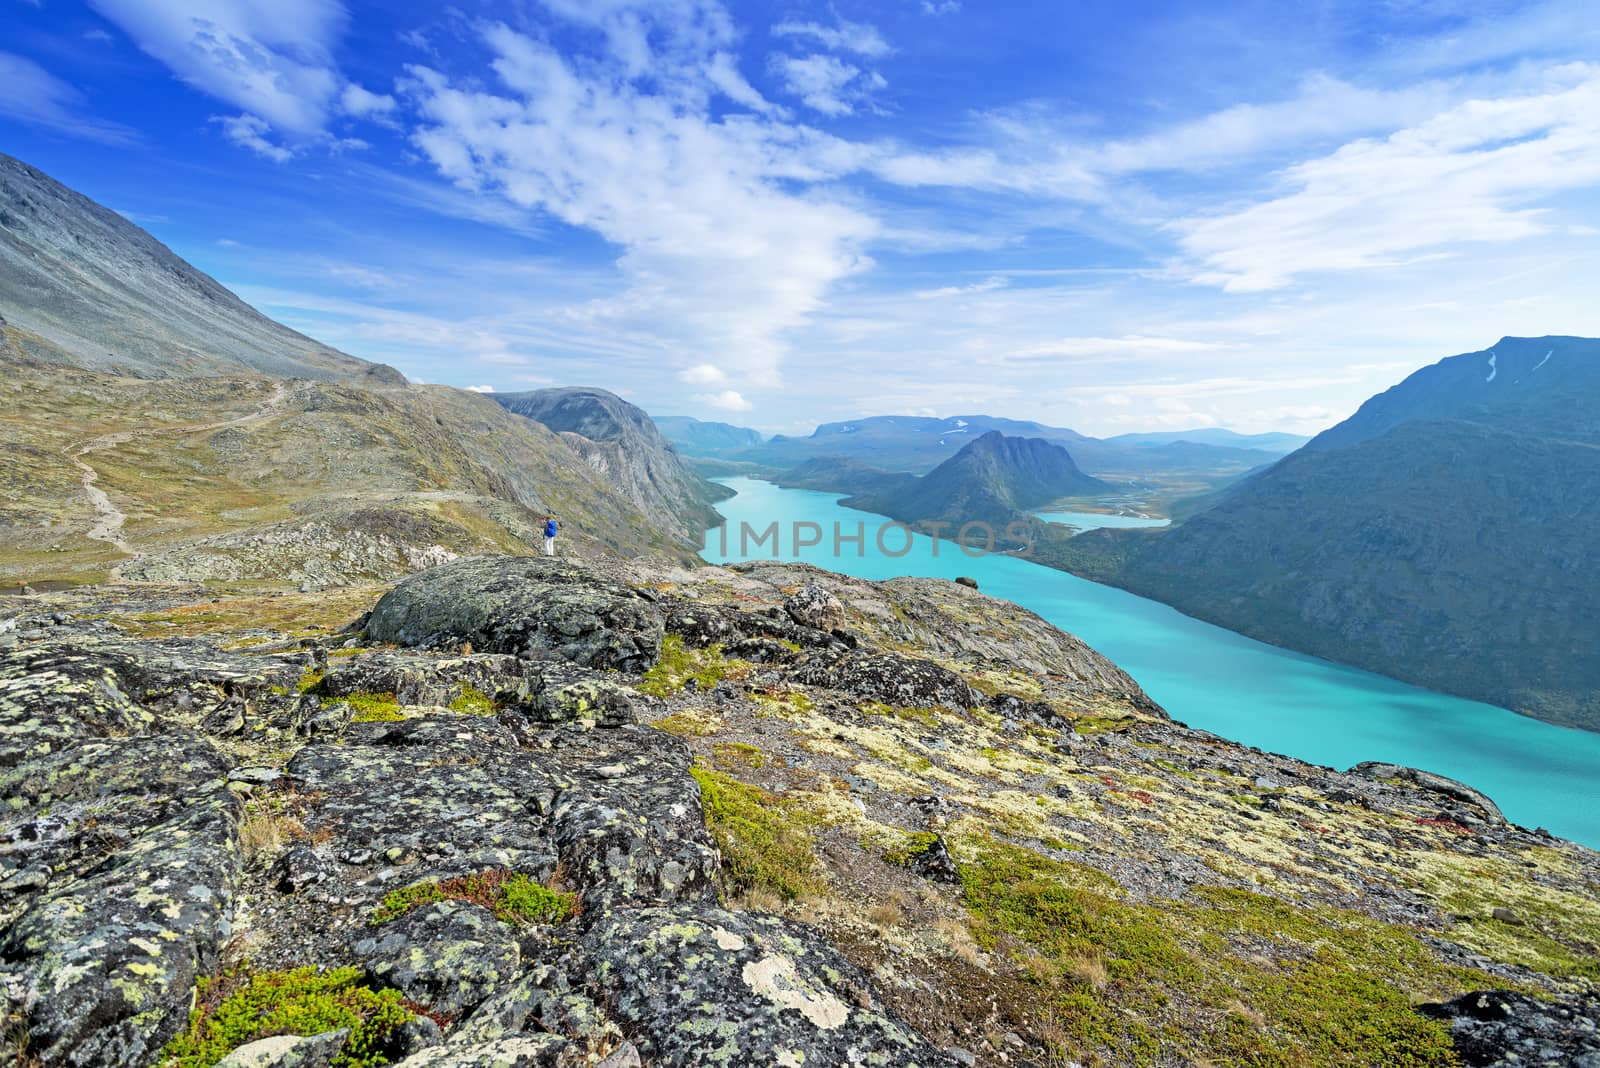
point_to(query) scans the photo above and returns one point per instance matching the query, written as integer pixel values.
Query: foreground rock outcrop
(535, 813)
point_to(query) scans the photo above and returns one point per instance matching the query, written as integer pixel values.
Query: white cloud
(480, 389)
(704, 374)
(988, 285)
(825, 83)
(1474, 173)
(247, 131)
(940, 7)
(35, 96)
(857, 37)
(1116, 348)
(1323, 107)
(728, 400)
(363, 103)
(722, 253)
(269, 58)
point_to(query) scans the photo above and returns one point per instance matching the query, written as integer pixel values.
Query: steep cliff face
(534, 812)
(622, 443)
(81, 285)
(1443, 535)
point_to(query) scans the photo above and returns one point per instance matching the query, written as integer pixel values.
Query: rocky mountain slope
(995, 480)
(83, 286)
(251, 480)
(698, 437)
(1444, 535)
(527, 812)
(620, 441)
(192, 462)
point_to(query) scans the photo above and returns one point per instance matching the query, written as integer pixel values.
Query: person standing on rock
(549, 535)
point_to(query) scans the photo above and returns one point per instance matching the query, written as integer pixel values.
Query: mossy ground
(1290, 985)
(513, 897)
(679, 664)
(766, 844)
(241, 1006)
(473, 702)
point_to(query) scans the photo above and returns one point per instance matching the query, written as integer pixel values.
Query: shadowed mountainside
(995, 480)
(1443, 535)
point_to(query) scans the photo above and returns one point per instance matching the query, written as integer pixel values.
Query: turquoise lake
(1214, 679)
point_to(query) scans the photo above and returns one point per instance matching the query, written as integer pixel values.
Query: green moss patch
(473, 702)
(370, 707)
(678, 664)
(689, 724)
(513, 897)
(766, 844)
(1140, 983)
(242, 1006)
(738, 755)
(914, 845)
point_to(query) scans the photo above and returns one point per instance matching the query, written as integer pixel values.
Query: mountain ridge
(995, 479)
(134, 307)
(1441, 535)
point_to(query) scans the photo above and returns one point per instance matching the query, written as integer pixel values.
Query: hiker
(549, 535)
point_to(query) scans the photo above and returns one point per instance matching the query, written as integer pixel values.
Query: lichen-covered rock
(51, 709)
(1499, 1028)
(448, 956)
(542, 1001)
(891, 679)
(567, 694)
(695, 984)
(448, 792)
(514, 1051)
(524, 606)
(288, 1051)
(417, 679)
(700, 625)
(1438, 784)
(628, 822)
(813, 606)
(100, 972)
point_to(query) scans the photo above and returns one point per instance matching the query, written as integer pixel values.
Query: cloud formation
(723, 246)
(1473, 173)
(35, 96)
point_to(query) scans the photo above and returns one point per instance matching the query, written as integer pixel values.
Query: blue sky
(1109, 216)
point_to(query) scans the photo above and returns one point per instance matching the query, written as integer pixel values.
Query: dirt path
(109, 520)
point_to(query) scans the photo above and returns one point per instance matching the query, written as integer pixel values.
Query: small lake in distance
(1082, 521)
(1540, 774)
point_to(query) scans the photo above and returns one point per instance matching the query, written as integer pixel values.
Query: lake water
(1082, 521)
(1211, 678)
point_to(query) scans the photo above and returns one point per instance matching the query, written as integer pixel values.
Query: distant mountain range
(1275, 443)
(696, 437)
(1445, 534)
(994, 479)
(917, 444)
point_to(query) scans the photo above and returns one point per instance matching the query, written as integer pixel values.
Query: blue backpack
(550, 528)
